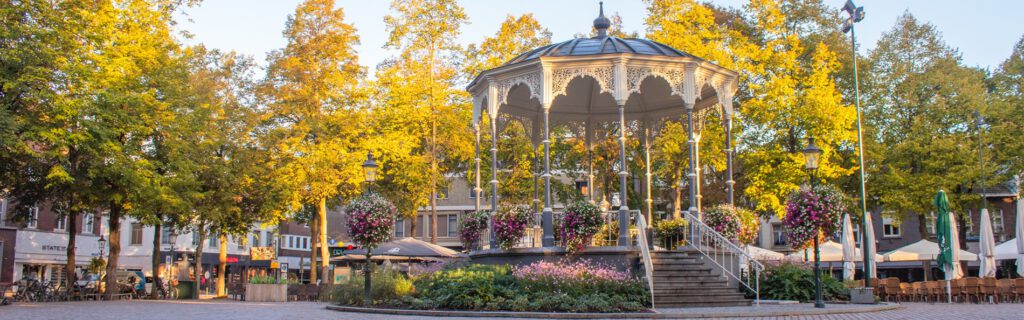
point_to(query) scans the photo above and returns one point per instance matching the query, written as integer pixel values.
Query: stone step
(696, 271)
(680, 267)
(696, 290)
(681, 262)
(691, 283)
(702, 304)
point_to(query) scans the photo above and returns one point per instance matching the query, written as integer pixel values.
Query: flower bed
(579, 286)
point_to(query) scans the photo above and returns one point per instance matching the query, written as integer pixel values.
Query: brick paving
(229, 310)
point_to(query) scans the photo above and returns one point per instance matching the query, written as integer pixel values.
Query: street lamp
(979, 121)
(811, 155)
(370, 171)
(856, 15)
(103, 244)
(370, 168)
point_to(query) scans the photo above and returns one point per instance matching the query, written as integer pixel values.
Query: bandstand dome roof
(587, 79)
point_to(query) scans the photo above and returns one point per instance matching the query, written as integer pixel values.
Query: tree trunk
(324, 255)
(114, 240)
(314, 231)
(222, 267)
(157, 232)
(69, 268)
(198, 274)
(412, 224)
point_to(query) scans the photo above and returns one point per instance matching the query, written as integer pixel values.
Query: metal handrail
(718, 249)
(645, 254)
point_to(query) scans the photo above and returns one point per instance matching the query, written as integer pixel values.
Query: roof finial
(601, 24)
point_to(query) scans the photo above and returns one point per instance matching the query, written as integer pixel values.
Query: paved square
(231, 310)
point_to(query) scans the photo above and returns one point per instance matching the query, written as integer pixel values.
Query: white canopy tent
(830, 251)
(923, 250)
(762, 254)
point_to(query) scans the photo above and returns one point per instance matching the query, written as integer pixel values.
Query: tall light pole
(811, 155)
(979, 121)
(370, 171)
(856, 15)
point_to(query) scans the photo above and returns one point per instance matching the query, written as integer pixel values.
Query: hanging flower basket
(733, 222)
(510, 225)
(473, 226)
(812, 213)
(371, 219)
(579, 224)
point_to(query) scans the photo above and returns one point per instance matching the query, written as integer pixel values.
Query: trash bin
(185, 289)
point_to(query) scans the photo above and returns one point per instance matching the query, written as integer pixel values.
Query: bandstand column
(494, 179)
(647, 174)
(623, 208)
(729, 182)
(476, 159)
(548, 239)
(590, 162)
(691, 142)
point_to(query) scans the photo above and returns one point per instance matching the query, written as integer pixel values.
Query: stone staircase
(682, 280)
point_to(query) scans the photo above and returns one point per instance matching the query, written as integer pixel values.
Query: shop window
(33, 217)
(453, 226)
(136, 234)
(3, 211)
(291, 242)
(890, 228)
(400, 228)
(929, 223)
(214, 240)
(778, 235)
(88, 223)
(165, 235)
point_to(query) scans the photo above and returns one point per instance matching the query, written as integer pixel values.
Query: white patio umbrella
(958, 272)
(869, 236)
(830, 251)
(1020, 236)
(987, 245)
(923, 250)
(849, 248)
(762, 254)
(1007, 250)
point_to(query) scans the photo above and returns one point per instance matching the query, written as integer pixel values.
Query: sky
(983, 30)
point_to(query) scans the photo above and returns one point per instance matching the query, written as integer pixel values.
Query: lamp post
(811, 155)
(979, 121)
(370, 174)
(103, 244)
(856, 15)
(173, 239)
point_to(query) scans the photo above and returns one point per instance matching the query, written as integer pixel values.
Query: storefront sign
(230, 259)
(55, 248)
(274, 264)
(261, 253)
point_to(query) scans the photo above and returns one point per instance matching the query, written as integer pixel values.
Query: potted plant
(473, 226)
(671, 232)
(265, 289)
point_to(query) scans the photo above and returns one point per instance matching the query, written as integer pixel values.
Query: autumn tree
(311, 92)
(418, 86)
(1006, 113)
(921, 105)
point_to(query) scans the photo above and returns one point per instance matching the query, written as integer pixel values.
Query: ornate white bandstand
(604, 79)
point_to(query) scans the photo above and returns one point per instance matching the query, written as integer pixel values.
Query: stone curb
(633, 315)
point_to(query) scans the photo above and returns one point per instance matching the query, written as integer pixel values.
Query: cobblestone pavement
(229, 310)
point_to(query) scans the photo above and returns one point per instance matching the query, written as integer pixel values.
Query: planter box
(862, 295)
(266, 292)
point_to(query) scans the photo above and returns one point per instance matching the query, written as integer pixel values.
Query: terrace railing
(645, 254)
(733, 260)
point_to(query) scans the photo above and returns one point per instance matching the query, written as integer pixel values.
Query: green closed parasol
(944, 235)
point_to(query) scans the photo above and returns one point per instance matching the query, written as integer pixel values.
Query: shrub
(810, 213)
(475, 287)
(262, 280)
(473, 225)
(791, 281)
(387, 286)
(579, 224)
(510, 226)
